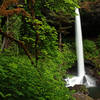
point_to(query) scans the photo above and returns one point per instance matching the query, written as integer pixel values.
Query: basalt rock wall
(90, 17)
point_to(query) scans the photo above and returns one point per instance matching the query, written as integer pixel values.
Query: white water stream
(82, 78)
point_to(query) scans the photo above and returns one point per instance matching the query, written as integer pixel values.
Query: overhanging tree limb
(13, 11)
(4, 11)
(19, 43)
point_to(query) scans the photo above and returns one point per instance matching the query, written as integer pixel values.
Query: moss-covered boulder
(81, 96)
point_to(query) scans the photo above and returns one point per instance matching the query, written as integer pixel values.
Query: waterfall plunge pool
(94, 92)
(93, 89)
(86, 80)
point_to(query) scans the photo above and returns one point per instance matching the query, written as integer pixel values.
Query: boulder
(80, 89)
(80, 96)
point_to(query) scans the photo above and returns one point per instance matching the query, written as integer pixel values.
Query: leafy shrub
(19, 80)
(98, 41)
(68, 59)
(47, 36)
(90, 49)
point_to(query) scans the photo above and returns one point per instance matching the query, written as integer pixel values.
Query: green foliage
(47, 43)
(20, 80)
(91, 52)
(12, 27)
(68, 59)
(98, 42)
(66, 6)
(90, 49)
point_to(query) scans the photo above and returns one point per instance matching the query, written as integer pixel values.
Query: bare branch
(19, 42)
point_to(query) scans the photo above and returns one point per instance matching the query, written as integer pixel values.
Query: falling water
(79, 44)
(82, 78)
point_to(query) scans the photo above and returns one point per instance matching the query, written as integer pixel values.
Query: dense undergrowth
(91, 52)
(44, 80)
(19, 80)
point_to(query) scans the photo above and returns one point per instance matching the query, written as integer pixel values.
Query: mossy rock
(80, 96)
(80, 89)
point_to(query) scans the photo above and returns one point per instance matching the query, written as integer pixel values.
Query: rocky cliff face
(90, 16)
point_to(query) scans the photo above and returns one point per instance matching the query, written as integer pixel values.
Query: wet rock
(84, 80)
(89, 63)
(80, 89)
(90, 20)
(98, 79)
(89, 66)
(97, 99)
(80, 96)
(90, 71)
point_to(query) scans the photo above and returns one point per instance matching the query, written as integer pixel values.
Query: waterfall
(82, 78)
(79, 44)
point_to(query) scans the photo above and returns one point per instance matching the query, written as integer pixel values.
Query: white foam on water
(80, 80)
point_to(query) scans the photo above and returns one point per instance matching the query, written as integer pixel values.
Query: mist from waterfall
(82, 78)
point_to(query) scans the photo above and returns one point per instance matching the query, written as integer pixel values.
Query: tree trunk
(19, 43)
(31, 7)
(60, 41)
(5, 40)
(36, 48)
(9, 12)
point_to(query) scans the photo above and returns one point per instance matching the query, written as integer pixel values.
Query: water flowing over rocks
(90, 69)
